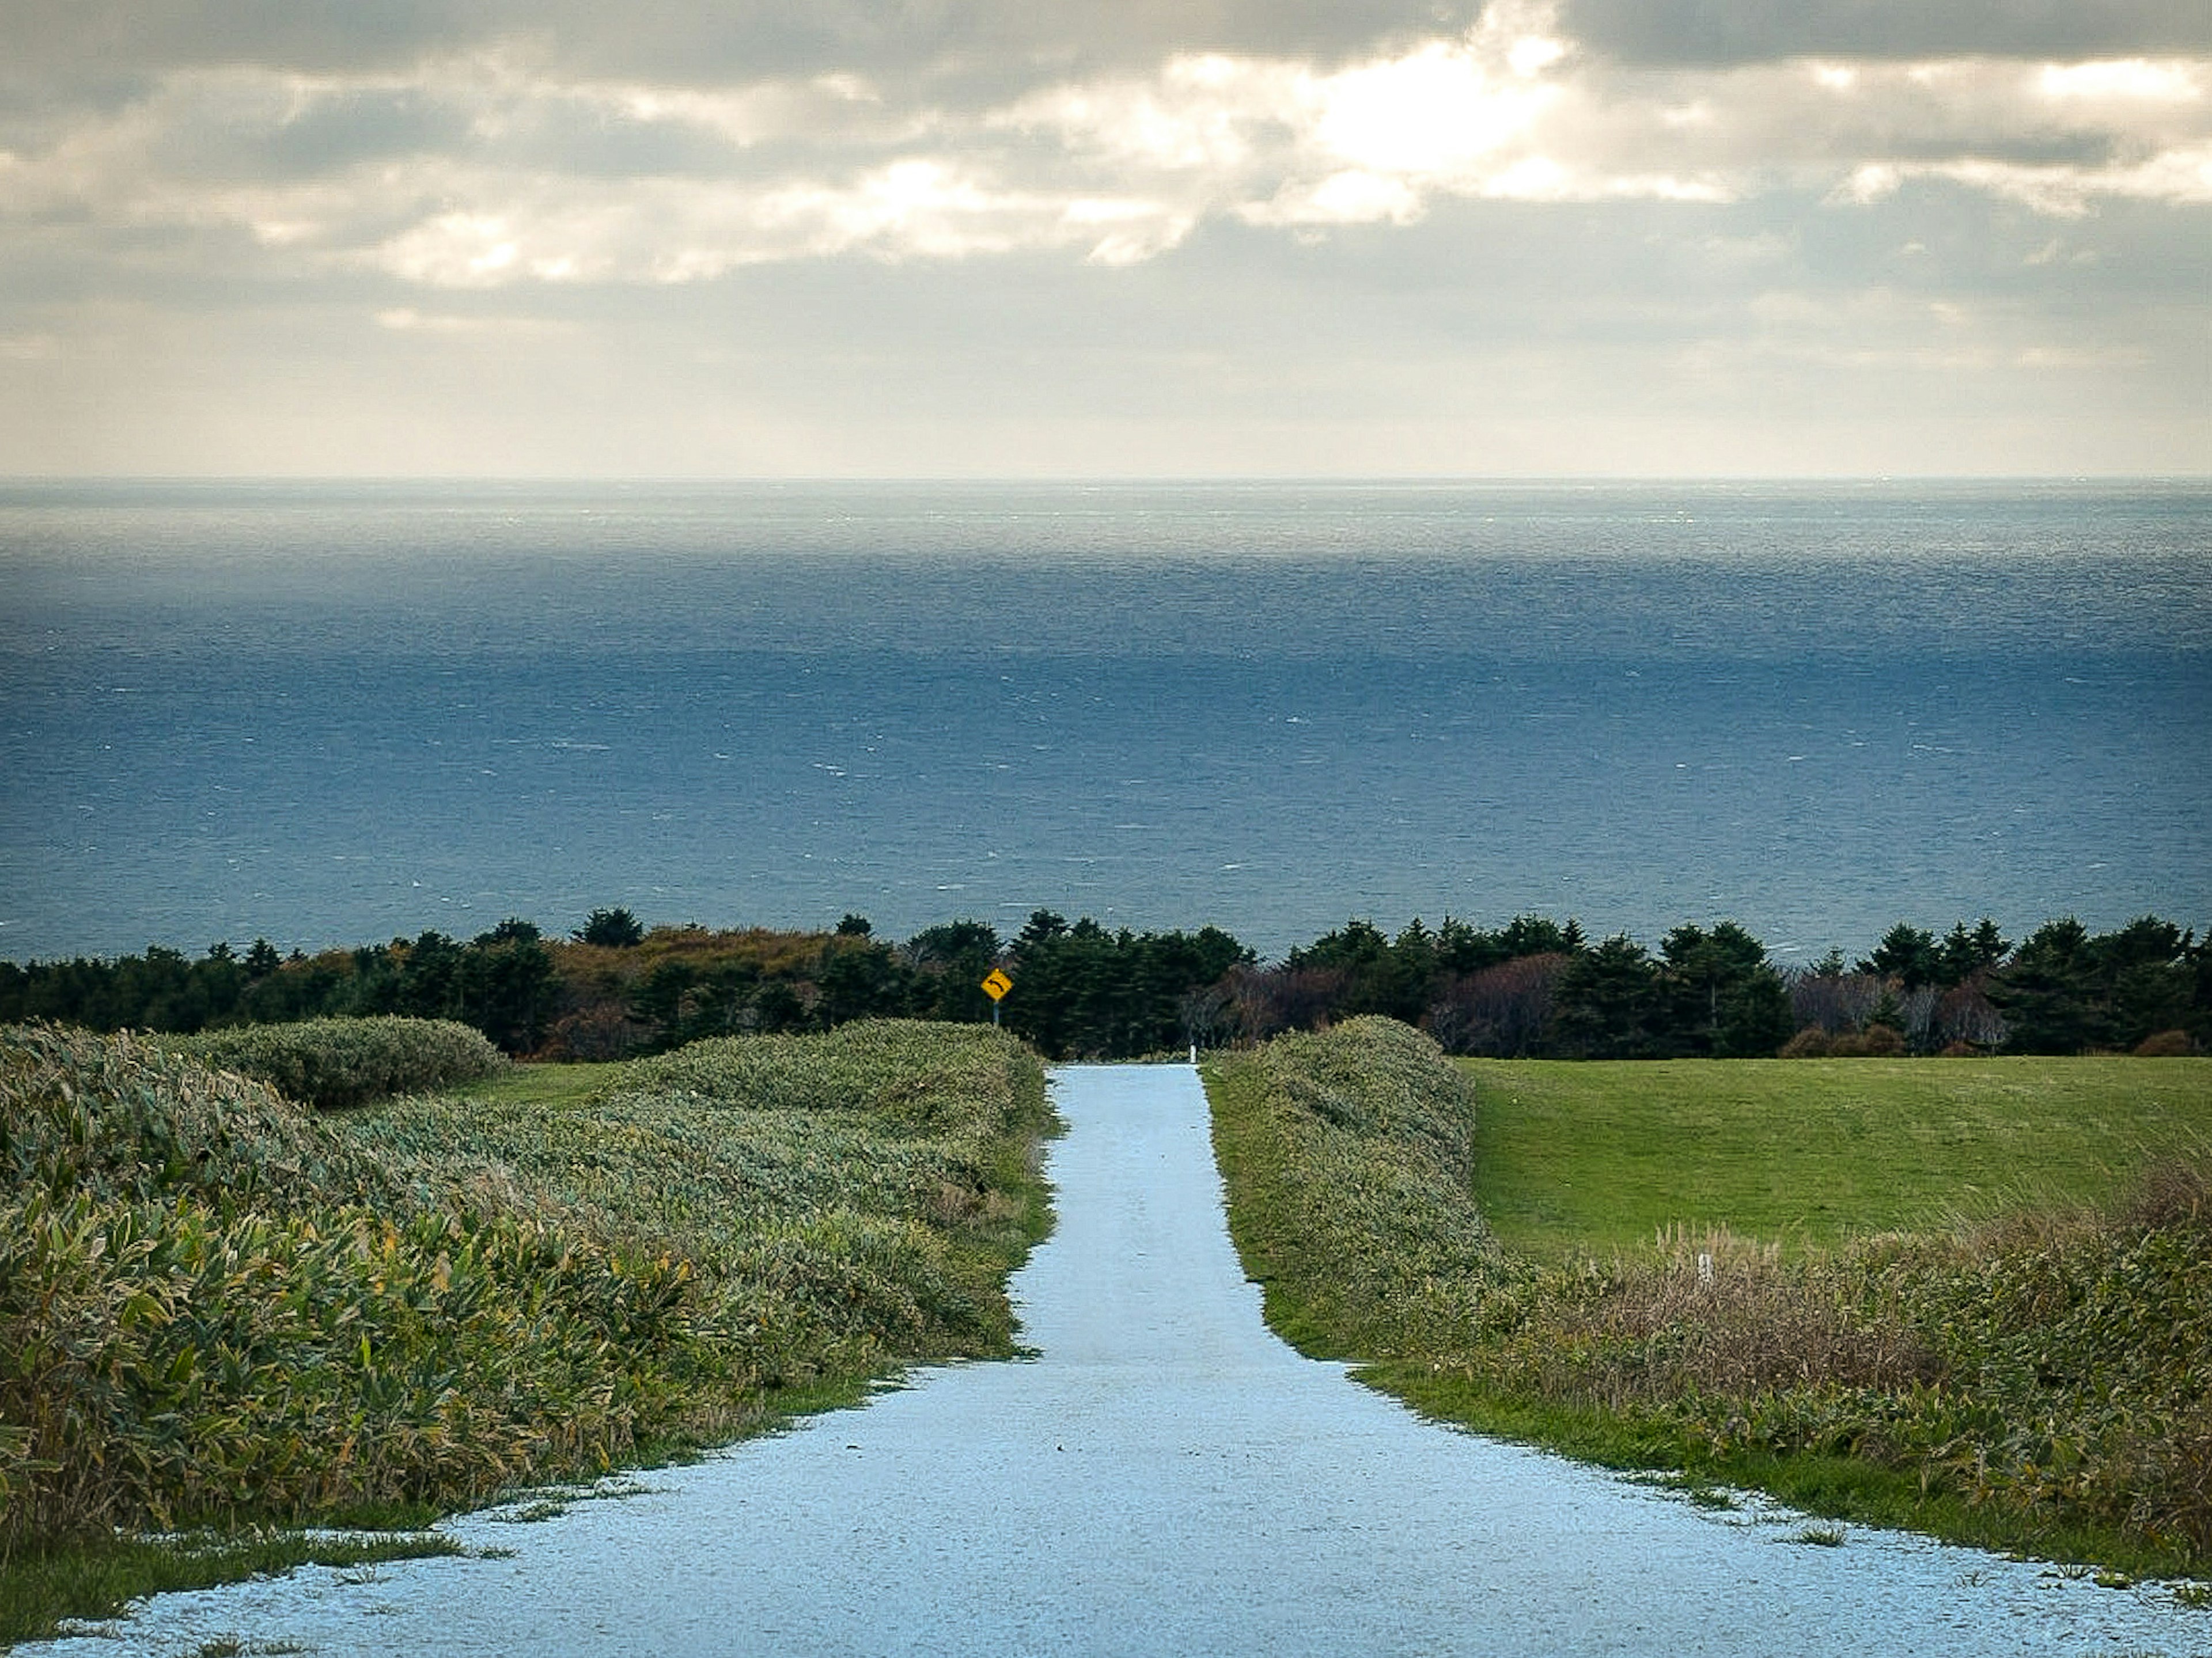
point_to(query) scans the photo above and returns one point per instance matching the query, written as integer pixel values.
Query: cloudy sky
(1155, 237)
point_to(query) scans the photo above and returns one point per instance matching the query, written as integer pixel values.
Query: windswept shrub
(332, 1064)
(876, 1064)
(1710, 1318)
(2173, 1194)
(178, 1364)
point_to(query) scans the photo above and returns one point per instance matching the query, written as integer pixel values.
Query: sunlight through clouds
(1096, 232)
(1441, 111)
(2130, 80)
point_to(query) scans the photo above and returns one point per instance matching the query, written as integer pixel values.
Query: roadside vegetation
(220, 1309)
(2021, 1365)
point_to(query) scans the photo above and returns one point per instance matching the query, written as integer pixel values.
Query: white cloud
(1439, 112)
(406, 319)
(1352, 196)
(483, 171)
(2134, 80)
(2176, 178)
(678, 230)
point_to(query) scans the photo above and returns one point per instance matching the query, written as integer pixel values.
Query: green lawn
(1597, 1156)
(540, 1084)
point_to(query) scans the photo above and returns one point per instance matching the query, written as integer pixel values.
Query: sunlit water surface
(329, 716)
(1165, 1478)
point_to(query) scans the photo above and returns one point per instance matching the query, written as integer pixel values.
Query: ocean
(330, 714)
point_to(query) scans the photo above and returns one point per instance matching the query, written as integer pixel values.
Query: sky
(1154, 238)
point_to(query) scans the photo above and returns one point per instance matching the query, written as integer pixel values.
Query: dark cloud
(1721, 32)
(359, 126)
(684, 40)
(70, 47)
(117, 40)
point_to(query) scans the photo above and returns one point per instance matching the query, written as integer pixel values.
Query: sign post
(995, 986)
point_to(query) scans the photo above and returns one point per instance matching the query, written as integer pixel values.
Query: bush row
(1350, 1154)
(331, 1063)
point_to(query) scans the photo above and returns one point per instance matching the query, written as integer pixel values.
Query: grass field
(1984, 1314)
(542, 1085)
(1596, 1157)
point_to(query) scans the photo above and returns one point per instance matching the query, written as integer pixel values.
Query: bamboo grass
(218, 1307)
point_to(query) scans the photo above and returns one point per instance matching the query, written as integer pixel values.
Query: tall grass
(1349, 1155)
(2043, 1382)
(217, 1306)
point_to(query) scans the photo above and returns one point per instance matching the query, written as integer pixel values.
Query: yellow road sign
(997, 985)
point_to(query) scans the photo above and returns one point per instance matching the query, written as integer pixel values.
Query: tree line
(1534, 987)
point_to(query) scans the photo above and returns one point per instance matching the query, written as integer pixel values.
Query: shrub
(594, 1034)
(874, 1065)
(1355, 1147)
(2165, 1045)
(1810, 1043)
(1876, 1041)
(334, 1063)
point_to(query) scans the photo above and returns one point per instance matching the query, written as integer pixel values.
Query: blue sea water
(335, 714)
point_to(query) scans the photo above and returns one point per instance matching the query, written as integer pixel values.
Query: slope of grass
(219, 1309)
(1596, 1157)
(90, 1581)
(2042, 1382)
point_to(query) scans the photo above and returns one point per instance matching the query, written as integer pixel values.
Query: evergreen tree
(1707, 973)
(612, 929)
(1963, 954)
(1609, 1003)
(2045, 992)
(1755, 1017)
(1907, 954)
(950, 962)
